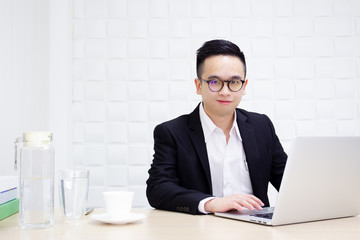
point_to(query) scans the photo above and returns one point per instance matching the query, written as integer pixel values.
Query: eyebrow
(233, 77)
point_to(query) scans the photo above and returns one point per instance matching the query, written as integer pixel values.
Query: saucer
(105, 218)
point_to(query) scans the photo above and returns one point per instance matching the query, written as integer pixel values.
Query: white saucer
(105, 218)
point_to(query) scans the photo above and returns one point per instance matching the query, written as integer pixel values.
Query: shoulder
(172, 130)
(259, 121)
(251, 116)
(191, 120)
(175, 123)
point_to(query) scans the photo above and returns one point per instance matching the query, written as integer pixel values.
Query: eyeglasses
(215, 85)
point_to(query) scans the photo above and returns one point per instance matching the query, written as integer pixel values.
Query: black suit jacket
(179, 177)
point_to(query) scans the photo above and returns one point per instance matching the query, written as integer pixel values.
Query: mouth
(224, 102)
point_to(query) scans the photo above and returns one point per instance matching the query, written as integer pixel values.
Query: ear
(244, 87)
(197, 86)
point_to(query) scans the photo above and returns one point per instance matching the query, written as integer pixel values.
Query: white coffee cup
(118, 203)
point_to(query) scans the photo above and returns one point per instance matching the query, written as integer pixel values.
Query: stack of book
(9, 203)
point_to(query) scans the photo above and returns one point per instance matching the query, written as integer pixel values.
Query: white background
(101, 74)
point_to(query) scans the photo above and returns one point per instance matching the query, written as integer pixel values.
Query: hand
(236, 201)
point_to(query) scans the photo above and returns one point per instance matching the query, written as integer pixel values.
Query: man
(218, 157)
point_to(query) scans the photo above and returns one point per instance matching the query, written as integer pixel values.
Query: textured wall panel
(134, 66)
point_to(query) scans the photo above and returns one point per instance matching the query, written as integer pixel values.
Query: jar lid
(38, 137)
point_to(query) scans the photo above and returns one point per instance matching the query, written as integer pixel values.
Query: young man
(218, 157)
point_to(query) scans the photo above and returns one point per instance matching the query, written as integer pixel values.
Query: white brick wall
(134, 65)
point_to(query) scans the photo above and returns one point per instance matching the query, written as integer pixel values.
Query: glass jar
(36, 165)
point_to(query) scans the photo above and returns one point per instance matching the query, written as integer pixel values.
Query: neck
(224, 122)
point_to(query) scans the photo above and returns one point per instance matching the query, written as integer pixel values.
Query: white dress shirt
(227, 160)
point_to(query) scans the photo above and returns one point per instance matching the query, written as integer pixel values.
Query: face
(222, 103)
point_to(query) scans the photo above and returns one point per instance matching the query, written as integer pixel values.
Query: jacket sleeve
(164, 190)
(279, 158)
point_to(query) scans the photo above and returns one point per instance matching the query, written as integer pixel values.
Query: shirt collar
(209, 127)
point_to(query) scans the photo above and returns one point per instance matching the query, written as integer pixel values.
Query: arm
(279, 158)
(164, 185)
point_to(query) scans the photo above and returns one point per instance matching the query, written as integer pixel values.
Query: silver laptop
(321, 181)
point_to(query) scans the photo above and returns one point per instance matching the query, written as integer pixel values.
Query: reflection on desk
(170, 225)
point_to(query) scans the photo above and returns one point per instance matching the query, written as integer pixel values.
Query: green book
(9, 208)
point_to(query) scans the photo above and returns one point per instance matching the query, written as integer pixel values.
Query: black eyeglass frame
(222, 82)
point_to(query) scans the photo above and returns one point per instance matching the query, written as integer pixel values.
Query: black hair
(217, 47)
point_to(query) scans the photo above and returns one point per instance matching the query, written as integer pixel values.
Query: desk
(165, 225)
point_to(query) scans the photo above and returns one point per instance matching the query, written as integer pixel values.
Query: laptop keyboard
(263, 215)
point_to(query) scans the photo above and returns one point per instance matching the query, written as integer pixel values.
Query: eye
(235, 82)
(215, 82)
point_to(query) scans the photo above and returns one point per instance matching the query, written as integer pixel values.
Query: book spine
(8, 195)
(9, 208)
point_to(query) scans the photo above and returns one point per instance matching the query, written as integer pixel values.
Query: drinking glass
(74, 187)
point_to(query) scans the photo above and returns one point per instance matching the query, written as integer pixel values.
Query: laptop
(321, 181)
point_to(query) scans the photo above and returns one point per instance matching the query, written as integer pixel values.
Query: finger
(257, 200)
(255, 203)
(241, 196)
(238, 207)
(247, 204)
(257, 206)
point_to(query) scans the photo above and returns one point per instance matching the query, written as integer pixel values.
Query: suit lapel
(197, 137)
(250, 148)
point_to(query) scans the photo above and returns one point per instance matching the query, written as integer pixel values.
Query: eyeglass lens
(217, 85)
